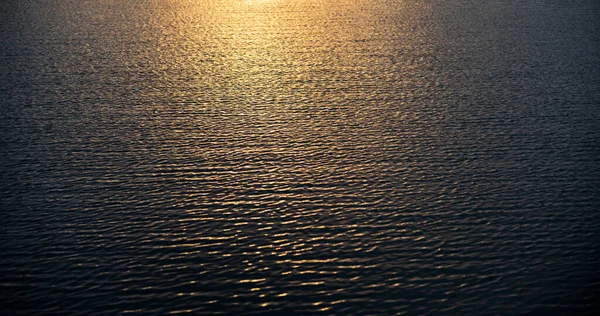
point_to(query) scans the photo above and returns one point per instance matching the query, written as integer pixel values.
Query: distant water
(326, 157)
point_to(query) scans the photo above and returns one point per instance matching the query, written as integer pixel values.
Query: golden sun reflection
(258, 2)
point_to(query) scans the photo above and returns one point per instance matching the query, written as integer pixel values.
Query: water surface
(311, 157)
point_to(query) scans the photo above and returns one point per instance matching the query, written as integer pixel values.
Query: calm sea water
(348, 157)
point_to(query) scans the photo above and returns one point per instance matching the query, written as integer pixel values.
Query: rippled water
(264, 156)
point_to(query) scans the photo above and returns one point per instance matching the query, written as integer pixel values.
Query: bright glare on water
(354, 157)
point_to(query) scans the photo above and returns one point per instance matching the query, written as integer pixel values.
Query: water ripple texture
(242, 157)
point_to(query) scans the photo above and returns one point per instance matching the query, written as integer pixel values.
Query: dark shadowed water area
(353, 157)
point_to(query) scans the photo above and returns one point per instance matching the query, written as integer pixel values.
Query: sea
(299, 157)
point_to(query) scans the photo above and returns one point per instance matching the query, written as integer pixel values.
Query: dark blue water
(309, 157)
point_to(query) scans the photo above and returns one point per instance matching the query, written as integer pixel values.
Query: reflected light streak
(259, 2)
